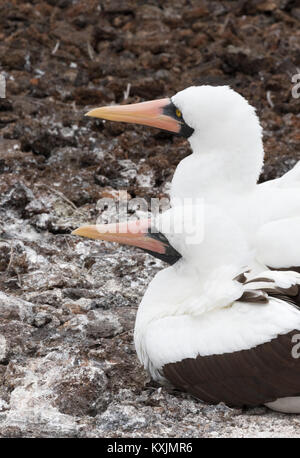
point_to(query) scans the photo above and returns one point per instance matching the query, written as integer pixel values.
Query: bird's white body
(173, 325)
(192, 308)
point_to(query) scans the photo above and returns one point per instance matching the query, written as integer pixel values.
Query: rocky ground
(67, 306)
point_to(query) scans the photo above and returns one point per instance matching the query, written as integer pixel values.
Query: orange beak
(145, 113)
(137, 233)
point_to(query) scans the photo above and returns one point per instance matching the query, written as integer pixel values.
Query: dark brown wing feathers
(242, 378)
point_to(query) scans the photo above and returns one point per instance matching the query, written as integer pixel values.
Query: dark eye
(178, 113)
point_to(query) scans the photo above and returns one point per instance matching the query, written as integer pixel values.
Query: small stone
(41, 318)
(195, 13)
(115, 194)
(122, 417)
(265, 6)
(13, 308)
(103, 324)
(17, 197)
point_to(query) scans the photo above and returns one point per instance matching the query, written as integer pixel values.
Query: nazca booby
(206, 323)
(225, 136)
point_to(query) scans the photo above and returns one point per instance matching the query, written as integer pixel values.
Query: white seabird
(227, 158)
(207, 324)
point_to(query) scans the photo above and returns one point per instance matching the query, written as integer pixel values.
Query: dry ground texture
(67, 306)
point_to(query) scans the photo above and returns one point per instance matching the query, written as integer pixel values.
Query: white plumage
(190, 309)
(220, 322)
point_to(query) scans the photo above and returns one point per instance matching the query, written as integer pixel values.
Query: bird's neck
(218, 169)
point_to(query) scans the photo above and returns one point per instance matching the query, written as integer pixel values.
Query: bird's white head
(226, 142)
(221, 126)
(220, 117)
(198, 237)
